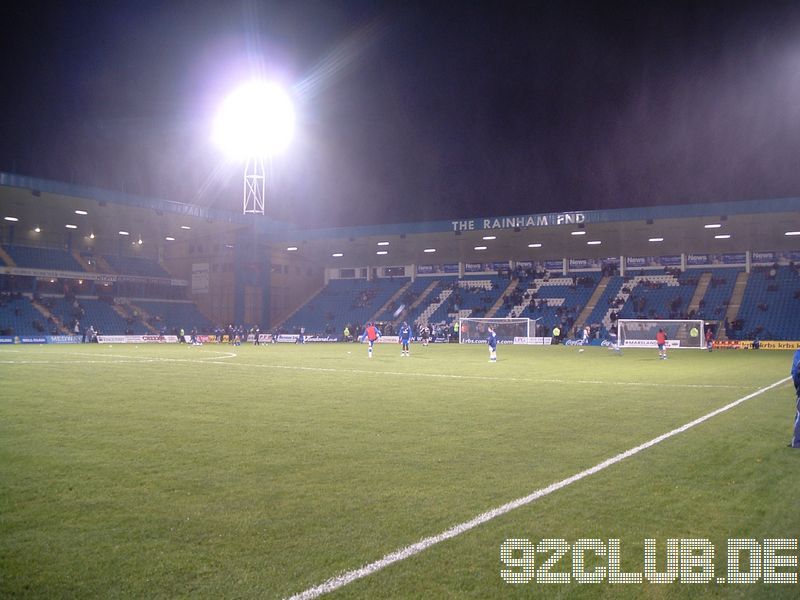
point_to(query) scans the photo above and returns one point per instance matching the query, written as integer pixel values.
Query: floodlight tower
(254, 124)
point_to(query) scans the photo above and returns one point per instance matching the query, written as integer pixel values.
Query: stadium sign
(137, 339)
(545, 220)
(64, 339)
(534, 341)
(99, 277)
(650, 343)
(6, 339)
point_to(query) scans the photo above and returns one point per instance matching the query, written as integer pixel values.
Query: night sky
(413, 111)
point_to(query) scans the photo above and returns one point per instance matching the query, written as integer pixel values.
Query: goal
(641, 333)
(476, 331)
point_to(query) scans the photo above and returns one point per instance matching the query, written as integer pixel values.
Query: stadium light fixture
(37, 230)
(490, 237)
(383, 243)
(186, 227)
(713, 226)
(792, 233)
(140, 241)
(429, 250)
(580, 232)
(337, 255)
(291, 249)
(381, 252)
(91, 236)
(255, 120)
(169, 238)
(124, 233)
(594, 242)
(656, 239)
(254, 123)
(480, 247)
(70, 226)
(722, 236)
(12, 219)
(536, 245)
(81, 212)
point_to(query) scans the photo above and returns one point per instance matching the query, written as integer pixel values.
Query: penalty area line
(341, 580)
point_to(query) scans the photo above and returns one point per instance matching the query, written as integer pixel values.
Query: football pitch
(263, 472)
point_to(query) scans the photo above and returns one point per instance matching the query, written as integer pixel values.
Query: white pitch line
(215, 360)
(479, 377)
(343, 579)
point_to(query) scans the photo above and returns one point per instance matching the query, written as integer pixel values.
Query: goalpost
(641, 333)
(475, 331)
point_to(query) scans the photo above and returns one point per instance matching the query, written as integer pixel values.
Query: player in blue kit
(492, 341)
(405, 338)
(795, 373)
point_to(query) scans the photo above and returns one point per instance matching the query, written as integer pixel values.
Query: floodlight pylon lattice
(255, 186)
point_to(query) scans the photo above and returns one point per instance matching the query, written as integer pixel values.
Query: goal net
(641, 333)
(476, 331)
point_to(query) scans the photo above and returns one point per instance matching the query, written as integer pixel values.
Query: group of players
(372, 334)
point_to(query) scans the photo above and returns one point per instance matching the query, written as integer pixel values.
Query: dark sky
(413, 111)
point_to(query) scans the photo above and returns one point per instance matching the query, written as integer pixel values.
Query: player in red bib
(661, 340)
(372, 335)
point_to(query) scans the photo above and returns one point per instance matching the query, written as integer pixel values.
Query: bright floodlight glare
(255, 121)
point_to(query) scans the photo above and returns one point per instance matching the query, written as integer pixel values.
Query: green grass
(172, 471)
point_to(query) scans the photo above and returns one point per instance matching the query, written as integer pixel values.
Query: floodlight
(255, 121)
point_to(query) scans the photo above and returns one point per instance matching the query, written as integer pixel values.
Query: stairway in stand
(735, 303)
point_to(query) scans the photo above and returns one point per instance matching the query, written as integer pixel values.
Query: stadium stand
(169, 316)
(90, 311)
(343, 302)
(554, 299)
(18, 316)
(770, 306)
(43, 258)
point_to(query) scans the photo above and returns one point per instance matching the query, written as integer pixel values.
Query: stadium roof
(758, 225)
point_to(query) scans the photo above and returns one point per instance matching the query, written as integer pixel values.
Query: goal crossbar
(680, 333)
(474, 330)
